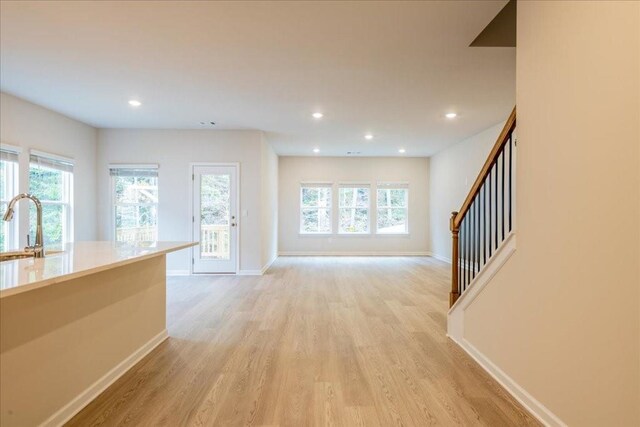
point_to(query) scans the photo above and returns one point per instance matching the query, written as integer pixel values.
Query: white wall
(269, 208)
(174, 150)
(561, 318)
(452, 173)
(33, 127)
(294, 170)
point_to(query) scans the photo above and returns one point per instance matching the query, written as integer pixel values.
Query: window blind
(392, 185)
(315, 184)
(147, 171)
(51, 161)
(353, 185)
(8, 155)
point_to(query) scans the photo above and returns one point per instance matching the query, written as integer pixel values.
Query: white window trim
(368, 207)
(393, 186)
(114, 204)
(12, 227)
(317, 184)
(67, 187)
(133, 166)
(51, 156)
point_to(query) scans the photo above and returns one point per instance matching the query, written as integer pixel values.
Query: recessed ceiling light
(451, 115)
(402, 151)
(368, 136)
(316, 150)
(317, 115)
(135, 103)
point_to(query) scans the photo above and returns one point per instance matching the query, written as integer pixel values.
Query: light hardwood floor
(316, 341)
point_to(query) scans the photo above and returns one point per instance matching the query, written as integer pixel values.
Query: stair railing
(486, 216)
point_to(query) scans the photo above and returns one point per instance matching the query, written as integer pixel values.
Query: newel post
(453, 296)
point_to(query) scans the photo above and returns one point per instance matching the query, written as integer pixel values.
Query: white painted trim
(10, 147)
(178, 273)
(250, 273)
(268, 264)
(238, 227)
(495, 263)
(455, 331)
(441, 258)
(52, 156)
(354, 253)
(65, 413)
(133, 166)
(537, 409)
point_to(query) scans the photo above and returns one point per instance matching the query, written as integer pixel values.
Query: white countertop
(78, 259)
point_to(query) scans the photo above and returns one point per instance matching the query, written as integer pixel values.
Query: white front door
(215, 219)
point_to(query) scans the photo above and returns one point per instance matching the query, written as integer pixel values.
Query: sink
(9, 256)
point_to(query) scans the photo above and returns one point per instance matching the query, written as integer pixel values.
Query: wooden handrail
(509, 126)
(471, 242)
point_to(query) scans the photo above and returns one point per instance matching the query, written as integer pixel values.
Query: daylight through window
(315, 208)
(51, 181)
(8, 189)
(135, 203)
(353, 206)
(392, 212)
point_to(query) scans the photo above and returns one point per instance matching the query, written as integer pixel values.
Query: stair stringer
(455, 331)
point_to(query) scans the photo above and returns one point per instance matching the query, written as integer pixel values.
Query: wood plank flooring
(317, 341)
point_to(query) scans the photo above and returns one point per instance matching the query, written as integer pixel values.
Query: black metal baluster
(510, 169)
(484, 223)
(463, 226)
(475, 221)
(468, 262)
(488, 184)
(495, 165)
(478, 229)
(466, 250)
(469, 265)
(473, 242)
(503, 220)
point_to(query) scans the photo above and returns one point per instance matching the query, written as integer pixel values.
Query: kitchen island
(73, 322)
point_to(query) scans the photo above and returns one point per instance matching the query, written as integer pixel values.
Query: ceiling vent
(354, 153)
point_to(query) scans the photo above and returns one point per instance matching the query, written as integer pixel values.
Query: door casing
(192, 165)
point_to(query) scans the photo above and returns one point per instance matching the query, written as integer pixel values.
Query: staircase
(486, 217)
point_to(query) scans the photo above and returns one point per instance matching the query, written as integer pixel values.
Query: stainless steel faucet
(38, 247)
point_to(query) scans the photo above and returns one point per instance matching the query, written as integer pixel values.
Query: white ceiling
(390, 68)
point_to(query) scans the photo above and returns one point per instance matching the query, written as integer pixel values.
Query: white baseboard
(455, 331)
(537, 409)
(268, 264)
(441, 258)
(178, 273)
(83, 399)
(353, 253)
(455, 317)
(250, 273)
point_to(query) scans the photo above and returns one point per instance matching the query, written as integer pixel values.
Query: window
(51, 181)
(315, 208)
(8, 189)
(392, 209)
(135, 202)
(353, 204)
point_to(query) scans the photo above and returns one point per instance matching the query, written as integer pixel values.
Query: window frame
(302, 208)
(392, 186)
(356, 186)
(67, 196)
(115, 204)
(11, 228)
